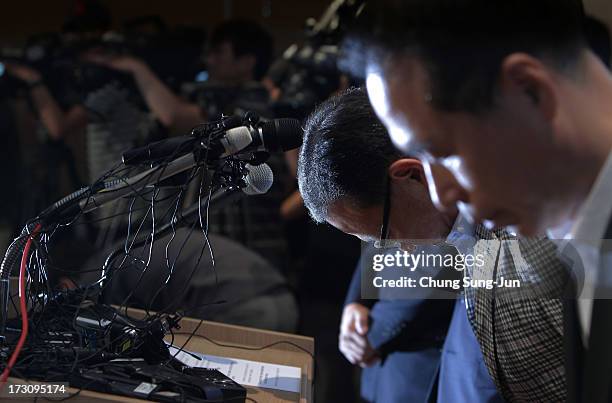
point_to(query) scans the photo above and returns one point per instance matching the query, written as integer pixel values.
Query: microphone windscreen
(259, 179)
(236, 140)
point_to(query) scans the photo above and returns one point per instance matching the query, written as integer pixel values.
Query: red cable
(22, 306)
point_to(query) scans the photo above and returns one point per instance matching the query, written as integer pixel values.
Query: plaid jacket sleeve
(520, 328)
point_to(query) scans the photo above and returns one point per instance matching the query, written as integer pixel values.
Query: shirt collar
(462, 228)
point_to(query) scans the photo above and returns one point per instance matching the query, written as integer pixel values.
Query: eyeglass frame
(384, 227)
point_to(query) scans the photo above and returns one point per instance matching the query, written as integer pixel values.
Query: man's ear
(524, 74)
(407, 168)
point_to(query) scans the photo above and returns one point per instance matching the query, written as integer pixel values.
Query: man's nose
(444, 188)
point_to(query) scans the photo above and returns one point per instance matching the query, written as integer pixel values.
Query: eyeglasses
(384, 228)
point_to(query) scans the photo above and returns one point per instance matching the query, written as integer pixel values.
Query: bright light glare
(455, 166)
(380, 103)
(399, 137)
(376, 92)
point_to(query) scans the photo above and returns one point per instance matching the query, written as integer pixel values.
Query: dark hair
(598, 37)
(246, 38)
(345, 154)
(462, 43)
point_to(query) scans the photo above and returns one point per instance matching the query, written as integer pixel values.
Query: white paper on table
(245, 372)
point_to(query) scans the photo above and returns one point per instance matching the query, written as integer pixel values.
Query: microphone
(259, 179)
(279, 135)
(274, 135)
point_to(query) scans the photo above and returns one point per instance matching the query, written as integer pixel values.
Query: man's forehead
(399, 93)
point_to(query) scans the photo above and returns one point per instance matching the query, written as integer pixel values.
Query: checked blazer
(520, 329)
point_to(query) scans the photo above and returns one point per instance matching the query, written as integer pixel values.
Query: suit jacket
(572, 338)
(464, 377)
(592, 368)
(409, 334)
(520, 330)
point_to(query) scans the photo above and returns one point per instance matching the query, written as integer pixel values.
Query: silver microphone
(259, 179)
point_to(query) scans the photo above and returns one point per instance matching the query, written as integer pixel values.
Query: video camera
(174, 55)
(308, 73)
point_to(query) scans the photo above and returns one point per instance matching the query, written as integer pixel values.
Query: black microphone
(274, 135)
(280, 135)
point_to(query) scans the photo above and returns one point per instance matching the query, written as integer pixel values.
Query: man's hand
(22, 72)
(353, 341)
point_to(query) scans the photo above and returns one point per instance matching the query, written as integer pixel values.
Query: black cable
(314, 361)
(122, 305)
(187, 282)
(204, 175)
(249, 348)
(110, 259)
(193, 333)
(108, 217)
(173, 220)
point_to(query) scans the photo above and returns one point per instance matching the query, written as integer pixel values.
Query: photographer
(239, 54)
(59, 120)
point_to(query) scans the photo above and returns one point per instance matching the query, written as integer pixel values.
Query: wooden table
(237, 337)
